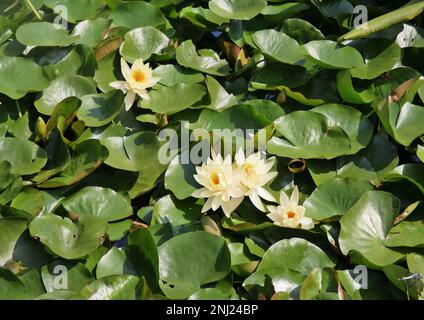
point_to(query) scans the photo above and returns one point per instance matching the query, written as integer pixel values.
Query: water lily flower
(255, 173)
(289, 213)
(137, 79)
(221, 184)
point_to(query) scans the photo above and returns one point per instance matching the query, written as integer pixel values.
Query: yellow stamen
(215, 179)
(291, 214)
(138, 76)
(249, 170)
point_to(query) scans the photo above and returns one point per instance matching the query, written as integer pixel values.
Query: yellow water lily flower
(137, 79)
(289, 213)
(221, 184)
(255, 173)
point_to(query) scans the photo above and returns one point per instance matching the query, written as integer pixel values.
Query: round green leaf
(171, 75)
(137, 152)
(296, 254)
(20, 77)
(365, 226)
(100, 202)
(44, 34)
(237, 9)
(179, 179)
(406, 234)
(99, 109)
(321, 284)
(141, 43)
(76, 10)
(282, 279)
(334, 198)
(75, 273)
(177, 212)
(11, 288)
(135, 14)
(114, 262)
(12, 230)
(115, 287)
(190, 260)
(204, 60)
(278, 46)
(308, 135)
(24, 156)
(329, 54)
(164, 99)
(67, 239)
(62, 88)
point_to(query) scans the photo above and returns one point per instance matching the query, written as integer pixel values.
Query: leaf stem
(19, 108)
(37, 14)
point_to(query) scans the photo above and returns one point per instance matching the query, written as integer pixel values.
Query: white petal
(125, 69)
(240, 157)
(265, 194)
(268, 177)
(284, 200)
(119, 85)
(198, 193)
(144, 95)
(272, 209)
(207, 205)
(216, 203)
(274, 216)
(229, 206)
(228, 160)
(129, 100)
(307, 223)
(253, 196)
(294, 198)
(139, 64)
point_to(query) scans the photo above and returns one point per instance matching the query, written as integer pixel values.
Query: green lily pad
(406, 234)
(365, 226)
(278, 46)
(296, 254)
(115, 287)
(135, 152)
(137, 14)
(334, 197)
(114, 263)
(329, 54)
(190, 260)
(67, 239)
(62, 88)
(169, 100)
(308, 135)
(12, 230)
(320, 284)
(24, 156)
(237, 9)
(179, 179)
(65, 275)
(44, 34)
(282, 280)
(99, 109)
(204, 60)
(23, 76)
(142, 42)
(100, 202)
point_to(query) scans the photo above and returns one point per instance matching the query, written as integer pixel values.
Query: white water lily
(255, 173)
(137, 79)
(221, 184)
(289, 213)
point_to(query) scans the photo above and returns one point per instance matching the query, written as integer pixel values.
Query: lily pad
(365, 226)
(190, 260)
(67, 239)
